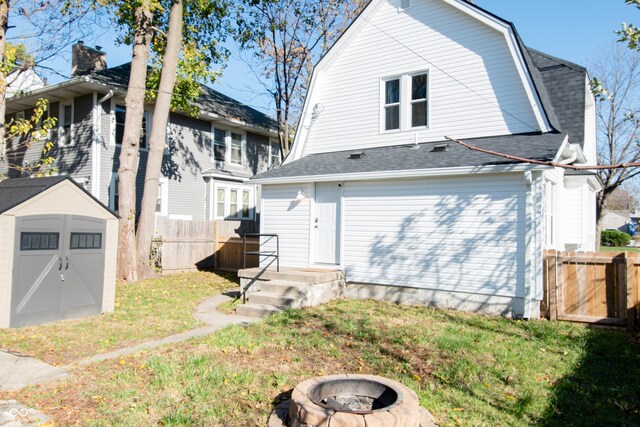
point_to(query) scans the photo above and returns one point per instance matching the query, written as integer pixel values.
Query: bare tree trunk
(157, 141)
(127, 255)
(4, 23)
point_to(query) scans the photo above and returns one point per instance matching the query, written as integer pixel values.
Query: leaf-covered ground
(467, 370)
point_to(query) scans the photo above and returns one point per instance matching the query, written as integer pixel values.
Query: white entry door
(327, 223)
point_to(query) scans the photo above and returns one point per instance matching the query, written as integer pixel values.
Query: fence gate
(592, 287)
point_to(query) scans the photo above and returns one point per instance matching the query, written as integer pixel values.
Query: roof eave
(402, 174)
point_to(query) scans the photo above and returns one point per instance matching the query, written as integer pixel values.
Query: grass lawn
(147, 310)
(619, 249)
(467, 370)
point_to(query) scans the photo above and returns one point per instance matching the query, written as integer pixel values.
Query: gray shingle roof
(16, 191)
(210, 100)
(565, 83)
(407, 157)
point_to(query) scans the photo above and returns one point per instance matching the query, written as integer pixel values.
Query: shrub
(615, 238)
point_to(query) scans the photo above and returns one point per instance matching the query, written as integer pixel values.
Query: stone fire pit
(351, 401)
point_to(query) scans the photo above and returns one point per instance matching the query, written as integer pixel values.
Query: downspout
(106, 97)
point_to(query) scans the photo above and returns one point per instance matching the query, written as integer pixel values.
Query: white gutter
(401, 174)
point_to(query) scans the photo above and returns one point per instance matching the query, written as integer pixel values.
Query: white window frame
(61, 124)
(384, 105)
(405, 102)
(228, 140)
(163, 192)
(228, 187)
(114, 105)
(273, 143)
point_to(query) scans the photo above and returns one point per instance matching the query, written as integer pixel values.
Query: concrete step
(283, 288)
(256, 310)
(274, 299)
(309, 275)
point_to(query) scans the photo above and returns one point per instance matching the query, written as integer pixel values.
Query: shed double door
(58, 268)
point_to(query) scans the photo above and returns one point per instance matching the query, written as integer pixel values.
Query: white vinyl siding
(474, 86)
(440, 234)
(283, 215)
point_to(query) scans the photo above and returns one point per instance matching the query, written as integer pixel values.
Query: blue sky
(576, 30)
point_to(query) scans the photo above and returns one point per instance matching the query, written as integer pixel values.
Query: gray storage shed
(58, 250)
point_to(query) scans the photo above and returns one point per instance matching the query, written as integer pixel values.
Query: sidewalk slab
(13, 414)
(18, 371)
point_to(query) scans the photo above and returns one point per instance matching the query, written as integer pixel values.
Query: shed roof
(407, 157)
(14, 192)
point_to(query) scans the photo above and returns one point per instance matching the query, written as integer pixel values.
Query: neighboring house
(207, 161)
(616, 220)
(373, 187)
(19, 81)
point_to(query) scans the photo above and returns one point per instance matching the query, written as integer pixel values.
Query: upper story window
(405, 103)
(120, 112)
(228, 147)
(419, 100)
(392, 104)
(219, 144)
(274, 154)
(236, 148)
(66, 124)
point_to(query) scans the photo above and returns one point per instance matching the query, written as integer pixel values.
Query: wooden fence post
(552, 274)
(216, 238)
(630, 281)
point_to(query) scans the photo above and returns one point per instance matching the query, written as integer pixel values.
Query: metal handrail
(271, 254)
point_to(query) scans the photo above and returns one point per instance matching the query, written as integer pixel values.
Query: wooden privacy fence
(592, 287)
(200, 245)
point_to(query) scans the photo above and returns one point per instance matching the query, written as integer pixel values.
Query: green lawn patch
(147, 310)
(619, 249)
(467, 370)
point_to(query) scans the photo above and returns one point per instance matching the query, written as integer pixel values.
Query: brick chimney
(85, 60)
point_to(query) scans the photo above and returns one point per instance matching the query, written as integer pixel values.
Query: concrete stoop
(290, 288)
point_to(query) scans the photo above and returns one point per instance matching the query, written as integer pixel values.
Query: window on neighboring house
(66, 125)
(236, 148)
(120, 116)
(162, 202)
(233, 202)
(405, 103)
(274, 154)
(113, 193)
(220, 202)
(392, 104)
(219, 144)
(228, 147)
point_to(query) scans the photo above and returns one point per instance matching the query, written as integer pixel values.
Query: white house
(373, 187)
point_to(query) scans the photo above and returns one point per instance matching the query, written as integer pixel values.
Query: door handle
(67, 265)
(60, 265)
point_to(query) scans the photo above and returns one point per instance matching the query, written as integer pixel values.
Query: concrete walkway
(18, 371)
